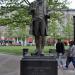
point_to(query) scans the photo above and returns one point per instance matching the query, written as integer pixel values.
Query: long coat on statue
(39, 13)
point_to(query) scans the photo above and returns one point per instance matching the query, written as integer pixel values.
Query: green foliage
(57, 4)
(17, 50)
(68, 29)
(21, 18)
(4, 21)
(16, 14)
(55, 26)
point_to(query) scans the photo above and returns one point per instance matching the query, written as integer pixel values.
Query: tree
(56, 18)
(19, 15)
(68, 29)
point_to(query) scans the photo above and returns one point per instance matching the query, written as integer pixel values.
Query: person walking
(70, 55)
(60, 52)
(60, 48)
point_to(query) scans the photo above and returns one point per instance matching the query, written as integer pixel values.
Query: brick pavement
(10, 65)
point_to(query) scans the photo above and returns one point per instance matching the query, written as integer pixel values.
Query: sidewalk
(10, 65)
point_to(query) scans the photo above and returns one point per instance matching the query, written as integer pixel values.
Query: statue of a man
(39, 26)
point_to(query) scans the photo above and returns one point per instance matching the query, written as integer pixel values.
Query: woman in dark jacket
(60, 52)
(60, 47)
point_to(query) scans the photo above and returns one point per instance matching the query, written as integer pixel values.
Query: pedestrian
(70, 55)
(60, 52)
(60, 48)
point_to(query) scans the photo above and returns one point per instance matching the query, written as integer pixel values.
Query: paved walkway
(10, 65)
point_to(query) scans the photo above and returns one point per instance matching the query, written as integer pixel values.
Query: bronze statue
(40, 15)
(39, 12)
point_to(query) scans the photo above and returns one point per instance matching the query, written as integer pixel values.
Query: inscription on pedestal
(38, 66)
(38, 70)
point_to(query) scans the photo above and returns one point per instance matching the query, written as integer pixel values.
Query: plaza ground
(10, 65)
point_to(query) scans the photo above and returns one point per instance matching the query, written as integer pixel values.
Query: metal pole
(74, 27)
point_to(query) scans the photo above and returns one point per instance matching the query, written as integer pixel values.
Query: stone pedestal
(36, 65)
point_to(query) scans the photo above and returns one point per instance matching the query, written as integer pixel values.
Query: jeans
(59, 55)
(70, 59)
(59, 59)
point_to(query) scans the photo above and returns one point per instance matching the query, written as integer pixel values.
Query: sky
(72, 3)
